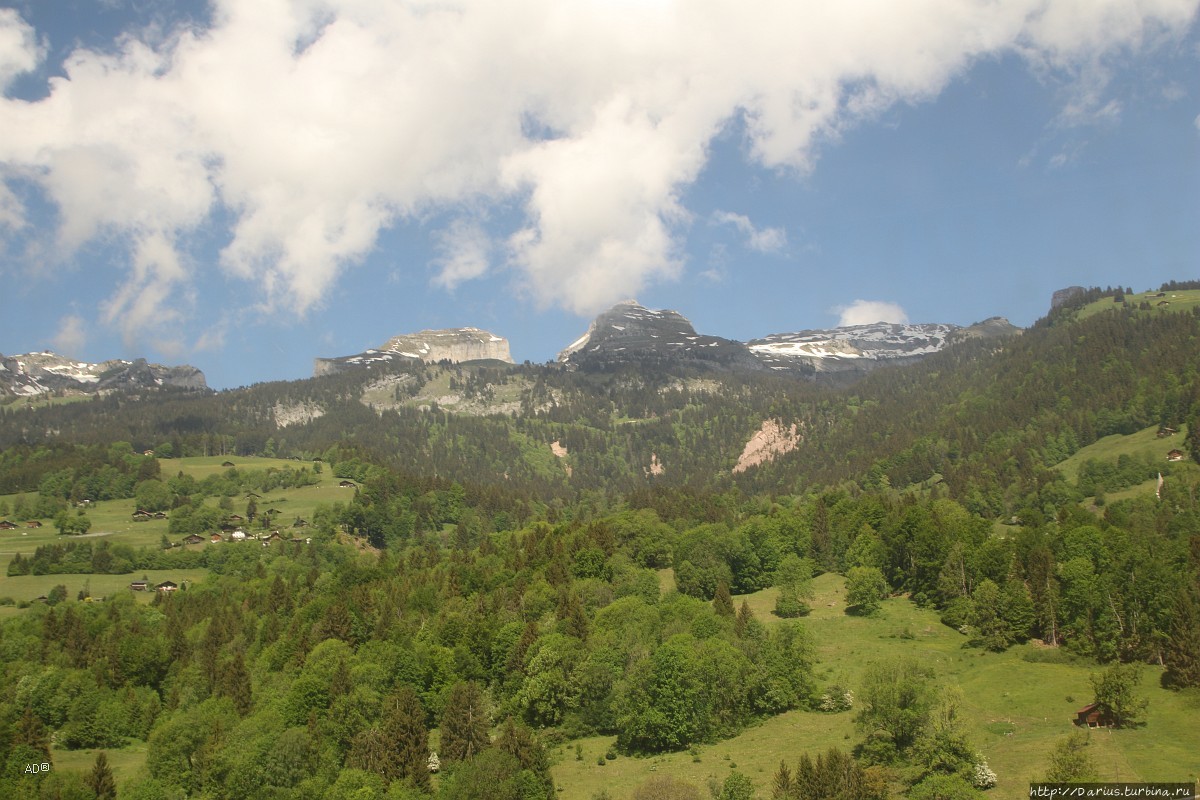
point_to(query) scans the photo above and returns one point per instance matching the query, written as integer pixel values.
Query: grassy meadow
(1184, 300)
(1019, 704)
(113, 521)
(1137, 445)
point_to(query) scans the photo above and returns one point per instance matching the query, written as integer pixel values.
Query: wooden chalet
(142, 515)
(33, 523)
(347, 485)
(194, 539)
(167, 586)
(216, 537)
(139, 586)
(1094, 716)
(1165, 431)
(5, 525)
(227, 464)
(1175, 455)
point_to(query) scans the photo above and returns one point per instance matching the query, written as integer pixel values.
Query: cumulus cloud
(464, 253)
(301, 129)
(865, 312)
(71, 336)
(19, 50)
(762, 240)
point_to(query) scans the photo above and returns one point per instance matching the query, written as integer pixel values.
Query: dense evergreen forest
(475, 598)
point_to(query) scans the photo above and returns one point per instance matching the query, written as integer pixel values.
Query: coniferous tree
(781, 783)
(235, 685)
(31, 734)
(101, 780)
(1182, 652)
(403, 732)
(465, 722)
(723, 601)
(521, 743)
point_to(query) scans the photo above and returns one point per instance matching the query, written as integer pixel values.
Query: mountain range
(629, 334)
(33, 374)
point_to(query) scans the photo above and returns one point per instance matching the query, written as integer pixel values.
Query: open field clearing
(1019, 704)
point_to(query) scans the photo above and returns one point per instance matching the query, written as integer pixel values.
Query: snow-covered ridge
(32, 374)
(858, 347)
(880, 340)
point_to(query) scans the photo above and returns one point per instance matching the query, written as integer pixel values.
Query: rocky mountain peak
(630, 333)
(428, 346)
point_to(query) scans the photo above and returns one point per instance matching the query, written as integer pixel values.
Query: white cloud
(464, 249)
(865, 312)
(71, 336)
(762, 240)
(307, 127)
(12, 211)
(19, 51)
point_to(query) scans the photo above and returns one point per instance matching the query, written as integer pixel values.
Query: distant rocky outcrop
(1064, 295)
(769, 441)
(33, 374)
(630, 333)
(430, 346)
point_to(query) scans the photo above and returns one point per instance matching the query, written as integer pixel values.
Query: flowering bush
(982, 777)
(837, 698)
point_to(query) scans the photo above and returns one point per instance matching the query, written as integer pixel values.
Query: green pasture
(43, 400)
(1185, 300)
(1019, 704)
(112, 520)
(27, 587)
(1137, 445)
(124, 763)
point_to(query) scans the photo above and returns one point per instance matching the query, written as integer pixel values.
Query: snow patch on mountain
(31, 374)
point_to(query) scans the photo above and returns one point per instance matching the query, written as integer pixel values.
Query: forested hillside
(501, 588)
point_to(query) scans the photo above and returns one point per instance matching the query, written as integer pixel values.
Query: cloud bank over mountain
(299, 131)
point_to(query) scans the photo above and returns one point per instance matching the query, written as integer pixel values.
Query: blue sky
(247, 186)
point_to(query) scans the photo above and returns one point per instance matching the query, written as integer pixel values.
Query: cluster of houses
(5, 525)
(165, 587)
(239, 535)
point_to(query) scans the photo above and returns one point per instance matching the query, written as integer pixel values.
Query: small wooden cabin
(1093, 716)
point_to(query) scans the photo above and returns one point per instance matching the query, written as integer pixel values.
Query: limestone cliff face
(455, 344)
(451, 344)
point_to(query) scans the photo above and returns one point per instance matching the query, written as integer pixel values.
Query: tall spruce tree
(100, 780)
(465, 722)
(521, 743)
(1182, 653)
(406, 739)
(723, 601)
